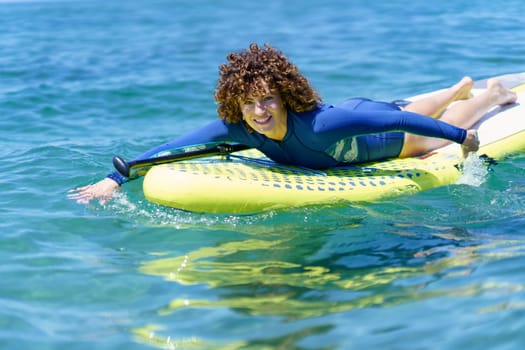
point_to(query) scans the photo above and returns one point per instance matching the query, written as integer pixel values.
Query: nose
(260, 108)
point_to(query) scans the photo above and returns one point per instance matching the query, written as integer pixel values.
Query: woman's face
(265, 113)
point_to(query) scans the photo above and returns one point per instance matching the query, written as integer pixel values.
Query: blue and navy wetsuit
(355, 131)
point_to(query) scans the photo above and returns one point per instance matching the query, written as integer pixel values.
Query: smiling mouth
(263, 121)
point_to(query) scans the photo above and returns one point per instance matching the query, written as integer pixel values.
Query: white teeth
(262, 121)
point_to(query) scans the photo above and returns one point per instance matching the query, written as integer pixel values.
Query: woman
(264, 102)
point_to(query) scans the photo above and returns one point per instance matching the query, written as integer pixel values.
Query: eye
(248, 102)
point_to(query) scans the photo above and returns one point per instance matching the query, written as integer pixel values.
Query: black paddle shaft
(124, 168)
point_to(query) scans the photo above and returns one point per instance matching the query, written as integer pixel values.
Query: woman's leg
(463, 114)
(434, 104)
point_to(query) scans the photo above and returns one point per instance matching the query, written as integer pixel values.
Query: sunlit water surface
(81, 81)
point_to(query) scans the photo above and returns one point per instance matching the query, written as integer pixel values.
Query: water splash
(475, 172)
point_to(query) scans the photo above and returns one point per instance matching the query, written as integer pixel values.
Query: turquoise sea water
(81, 81)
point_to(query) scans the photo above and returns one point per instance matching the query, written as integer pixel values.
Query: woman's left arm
(341, 122)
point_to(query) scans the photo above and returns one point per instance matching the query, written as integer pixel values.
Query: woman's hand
(471, 143)
(102, 190)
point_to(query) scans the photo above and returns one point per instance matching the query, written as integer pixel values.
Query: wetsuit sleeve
(212, 132)
(216, 131)
(338, 123)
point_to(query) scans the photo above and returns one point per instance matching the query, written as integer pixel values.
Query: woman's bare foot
(462, 89)
(435, 104)
(499, 94)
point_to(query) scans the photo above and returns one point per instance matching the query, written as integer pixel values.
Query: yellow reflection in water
(252, 284)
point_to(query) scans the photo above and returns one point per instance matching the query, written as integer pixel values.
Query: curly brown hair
(246, 74)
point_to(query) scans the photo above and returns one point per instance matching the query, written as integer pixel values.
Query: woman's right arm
(104, 189)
